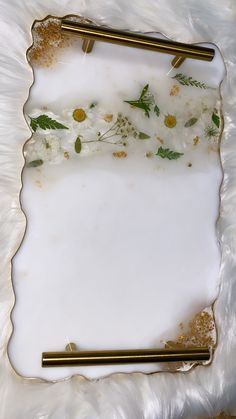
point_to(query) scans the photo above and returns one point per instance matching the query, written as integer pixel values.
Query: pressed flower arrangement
(119, 129)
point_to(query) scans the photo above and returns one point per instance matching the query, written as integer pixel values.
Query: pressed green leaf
(136, 103)
(156, 110)
(166, 153)
(216, 119)
(144, 91)
(140, 105)
(188, 81)
(191, 122)
(35, 163)
(143, 136)
(45, 122)
(78, 145)
(33, 124)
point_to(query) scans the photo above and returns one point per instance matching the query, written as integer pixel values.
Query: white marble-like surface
(117, 252)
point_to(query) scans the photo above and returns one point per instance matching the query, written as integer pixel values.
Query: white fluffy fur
(205, 391)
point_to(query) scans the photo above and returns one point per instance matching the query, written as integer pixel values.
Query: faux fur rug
(205, 391)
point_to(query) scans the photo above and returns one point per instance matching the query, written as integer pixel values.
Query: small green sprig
(188, 81)
(145, 101)
(156, 110)
(45, 122)
(211, 132)
(166, 153)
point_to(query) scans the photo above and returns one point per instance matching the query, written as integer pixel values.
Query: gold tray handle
(91, 33)
(74, 357)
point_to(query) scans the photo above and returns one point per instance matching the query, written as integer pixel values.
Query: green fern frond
(188, 81)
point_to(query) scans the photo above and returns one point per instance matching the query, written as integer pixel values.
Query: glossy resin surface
(121, 203)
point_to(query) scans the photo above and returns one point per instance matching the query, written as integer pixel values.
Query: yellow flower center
(170, 121)
(79, 115)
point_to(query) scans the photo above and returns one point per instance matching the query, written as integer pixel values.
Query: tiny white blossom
(44, 147)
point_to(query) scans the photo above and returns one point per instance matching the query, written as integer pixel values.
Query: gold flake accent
(108, 117)
(196, 140)
(174, 90)
(48, 38)
(160, 140)
(120, 154)
(200, 332)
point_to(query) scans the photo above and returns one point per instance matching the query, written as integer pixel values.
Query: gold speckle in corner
(119, 154)
(174, 90)
(196, 140)
(48, 38)
(199, 332)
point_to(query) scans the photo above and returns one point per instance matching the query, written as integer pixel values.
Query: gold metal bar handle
(130, 356)
(129, 39)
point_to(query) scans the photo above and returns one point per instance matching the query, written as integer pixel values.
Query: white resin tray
(121, 245)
